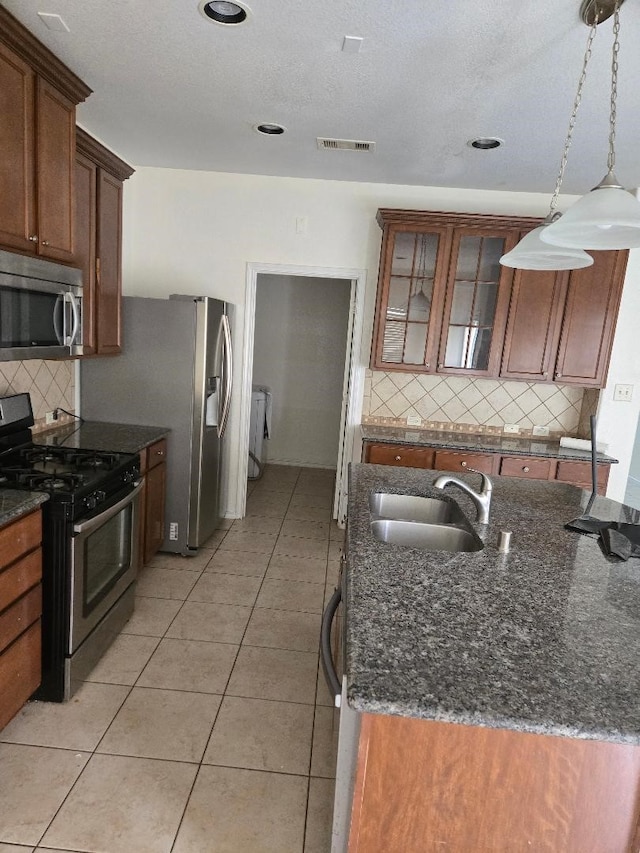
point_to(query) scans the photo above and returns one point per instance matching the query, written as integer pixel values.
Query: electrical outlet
(51, 417)
(511, 428)
(623, 393)
(173, 531)
(414, 420)
(542, 431)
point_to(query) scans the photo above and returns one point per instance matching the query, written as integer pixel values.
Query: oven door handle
(87, 527)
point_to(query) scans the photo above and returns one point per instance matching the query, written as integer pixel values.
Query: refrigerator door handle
(226, 374)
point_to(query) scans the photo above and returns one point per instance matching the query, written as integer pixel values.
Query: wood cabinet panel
(449, 460)
(579, 474)
(20, 577)
(20, 616)
(17, 174)
(109, 263)
(55, 158)
(399, 455)
(533, 327)
(424, 787)
(85, 245)
(20, 536)
(589, 320)
(527, 467)
(154, 510)
(20, 672)
(157, 453)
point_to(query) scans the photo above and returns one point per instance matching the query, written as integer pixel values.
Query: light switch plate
(623, 392)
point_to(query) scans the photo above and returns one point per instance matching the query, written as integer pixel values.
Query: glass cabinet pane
(414, 254)
(398, 300)
(462, 303)
(415, 343)
(393, 343)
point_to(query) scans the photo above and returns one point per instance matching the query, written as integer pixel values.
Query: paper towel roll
(211, 414)
(582, 444)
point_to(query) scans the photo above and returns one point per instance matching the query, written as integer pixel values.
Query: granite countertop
(544, 639)
(96, 435)
(13, 504)
(508, 445)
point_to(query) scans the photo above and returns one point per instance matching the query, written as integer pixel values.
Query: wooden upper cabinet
(589, 321)
(99, 182)
(38, 97)
(442, 294)
(17, 138)
(533, 327)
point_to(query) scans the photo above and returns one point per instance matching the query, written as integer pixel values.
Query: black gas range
(89, 543)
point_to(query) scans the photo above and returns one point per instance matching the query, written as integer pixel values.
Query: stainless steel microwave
(40, 308)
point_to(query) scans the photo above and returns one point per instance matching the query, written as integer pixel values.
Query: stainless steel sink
(429, 537)
(412, 508)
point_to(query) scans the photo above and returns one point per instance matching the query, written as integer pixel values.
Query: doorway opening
(302, 339)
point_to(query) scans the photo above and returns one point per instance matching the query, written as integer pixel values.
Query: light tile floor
(207, 725)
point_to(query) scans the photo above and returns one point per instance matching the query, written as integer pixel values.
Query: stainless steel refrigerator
(175, 371)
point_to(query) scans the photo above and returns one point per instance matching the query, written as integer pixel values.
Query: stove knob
(90, 502)
(100, 496)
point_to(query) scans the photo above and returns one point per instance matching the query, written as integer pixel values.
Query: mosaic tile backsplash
(474, 405)
(50, 384)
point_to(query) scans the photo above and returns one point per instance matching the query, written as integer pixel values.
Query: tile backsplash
(50, 384)
(472, 404)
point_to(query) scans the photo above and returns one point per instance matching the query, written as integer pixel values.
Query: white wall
(196, 231)
(299, 352)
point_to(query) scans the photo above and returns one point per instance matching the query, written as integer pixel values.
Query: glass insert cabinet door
(473, 307)
(408, 311)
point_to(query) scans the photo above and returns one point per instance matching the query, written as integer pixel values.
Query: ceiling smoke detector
(344, 144)
(485, 143)
(269, 128)
(224, 12)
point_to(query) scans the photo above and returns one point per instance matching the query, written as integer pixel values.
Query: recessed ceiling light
(224, 12)
(485, 143)
(269, 128)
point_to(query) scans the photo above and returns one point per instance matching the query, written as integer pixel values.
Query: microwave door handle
(226, 371)
(59, 311)
(75, 313)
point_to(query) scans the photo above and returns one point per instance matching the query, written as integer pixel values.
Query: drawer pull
(526, 469)
(45, 242)
(159, 452)
(398, 458)
(463, 463)
(33, 238)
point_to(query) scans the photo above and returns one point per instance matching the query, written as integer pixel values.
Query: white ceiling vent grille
(345, 144)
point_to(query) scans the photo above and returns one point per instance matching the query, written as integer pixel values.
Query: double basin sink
(431, 524)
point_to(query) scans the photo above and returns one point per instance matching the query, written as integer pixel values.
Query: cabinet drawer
(447, 460)
(407, 457)
(20, 673)
(19, 616)
(19, 537)
(20, 577)
(523, 466)
(157, 453)
(579, 474)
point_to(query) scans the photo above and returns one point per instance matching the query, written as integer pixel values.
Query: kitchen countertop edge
(103, 436)
(14, 504)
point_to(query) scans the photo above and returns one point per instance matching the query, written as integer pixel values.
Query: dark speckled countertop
(13, 504)
(545, 638)
(508, 445)
(96, 435)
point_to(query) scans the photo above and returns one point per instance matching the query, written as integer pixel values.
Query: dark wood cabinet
(99, 181)
(153, 464)
(38, 97)
(531, 467)
(20, 612)
(445, 305)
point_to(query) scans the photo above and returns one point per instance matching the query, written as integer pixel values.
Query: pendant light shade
(532, 253)
(606, 218)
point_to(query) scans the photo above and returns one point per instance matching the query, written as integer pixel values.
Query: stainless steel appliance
(175, 371)
(89, 543)
(40, 308)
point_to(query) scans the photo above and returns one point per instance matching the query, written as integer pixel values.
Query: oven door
(104, 563)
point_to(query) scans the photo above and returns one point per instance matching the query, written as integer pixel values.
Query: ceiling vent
(345, 144)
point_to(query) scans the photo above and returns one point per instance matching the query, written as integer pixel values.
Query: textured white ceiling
(173, 89)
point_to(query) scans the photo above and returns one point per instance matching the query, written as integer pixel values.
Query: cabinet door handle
(45, 242)
(526, 469)
(558, 376)
(98, 271)
(463, 463)
(398, 458)
(159, 452)
(427, 364)
(33, 238)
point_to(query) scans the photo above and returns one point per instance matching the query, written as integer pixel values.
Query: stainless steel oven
(104, 563)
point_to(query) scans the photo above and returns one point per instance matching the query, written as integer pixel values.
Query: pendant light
(608, 217)
(533, 252)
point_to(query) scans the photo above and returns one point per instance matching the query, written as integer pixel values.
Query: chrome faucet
(481, 499)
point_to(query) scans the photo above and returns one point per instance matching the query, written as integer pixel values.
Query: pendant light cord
(611, 159)
(572, 121)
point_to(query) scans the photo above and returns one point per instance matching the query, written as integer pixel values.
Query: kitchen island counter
(543, 639)
(98, 435)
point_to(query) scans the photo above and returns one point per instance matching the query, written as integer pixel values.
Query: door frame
(354, 371)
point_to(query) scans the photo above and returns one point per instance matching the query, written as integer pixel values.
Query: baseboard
(292, 463)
